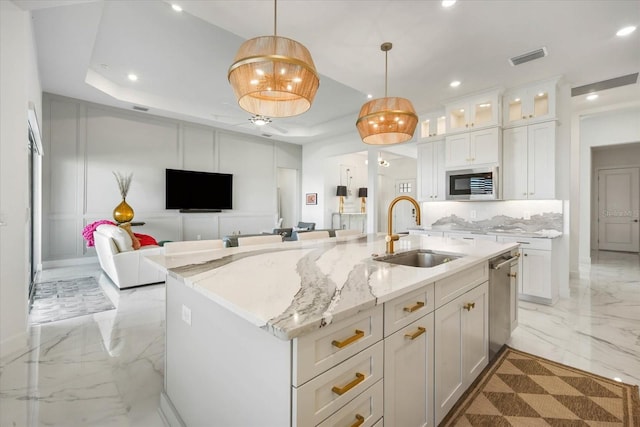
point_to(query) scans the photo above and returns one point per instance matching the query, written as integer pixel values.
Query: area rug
(520, 389)
(64, 299)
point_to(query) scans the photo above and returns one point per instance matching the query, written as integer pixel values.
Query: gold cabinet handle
(417, 306)
(359, 421)
(531, 116)
(359, 334)
(468, 306)
(512, 275)
(524, 117)
(416, 334)
(340, 391)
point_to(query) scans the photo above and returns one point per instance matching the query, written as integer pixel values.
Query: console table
(346, 218)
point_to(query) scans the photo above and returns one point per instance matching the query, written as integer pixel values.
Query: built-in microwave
(473, 184)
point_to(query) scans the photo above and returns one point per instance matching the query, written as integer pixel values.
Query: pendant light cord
(386, 57)
(275, 18)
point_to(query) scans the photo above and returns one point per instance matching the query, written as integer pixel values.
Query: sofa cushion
(120, 237)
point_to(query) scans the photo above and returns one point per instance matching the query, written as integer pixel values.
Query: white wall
(609, 126)
(19, 85)
(86, 142)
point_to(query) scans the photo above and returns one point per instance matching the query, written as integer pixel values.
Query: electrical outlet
(527, 215)
(186, 314)
(473, 214)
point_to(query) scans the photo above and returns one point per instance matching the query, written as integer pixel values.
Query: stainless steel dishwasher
(503, 299)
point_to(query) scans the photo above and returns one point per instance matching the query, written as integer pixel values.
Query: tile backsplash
(529, 216)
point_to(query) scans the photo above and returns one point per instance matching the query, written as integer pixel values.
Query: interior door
(404, 213)
(618, 205)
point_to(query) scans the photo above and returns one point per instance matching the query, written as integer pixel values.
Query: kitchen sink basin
(423, 258)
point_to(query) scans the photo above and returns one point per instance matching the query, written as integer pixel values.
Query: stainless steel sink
(423, 258)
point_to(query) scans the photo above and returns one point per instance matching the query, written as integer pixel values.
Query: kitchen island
(320, 333)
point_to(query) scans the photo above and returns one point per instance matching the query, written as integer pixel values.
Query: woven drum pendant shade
(388, 120)
(274, 77)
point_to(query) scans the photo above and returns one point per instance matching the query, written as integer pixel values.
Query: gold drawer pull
(359, 422)
(416, 334)
(340, 391)
(514, 275)
(359, 334)
(468, 306)
(417, 306)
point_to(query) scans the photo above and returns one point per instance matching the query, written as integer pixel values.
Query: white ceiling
(87, 48)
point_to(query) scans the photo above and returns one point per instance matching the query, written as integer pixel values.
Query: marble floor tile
(107, 369)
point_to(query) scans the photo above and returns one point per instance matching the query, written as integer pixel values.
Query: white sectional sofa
(125, 266)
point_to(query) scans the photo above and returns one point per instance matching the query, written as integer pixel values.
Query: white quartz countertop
(293, 288)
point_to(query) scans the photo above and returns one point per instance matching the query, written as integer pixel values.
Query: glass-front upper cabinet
(433, 125)
(474, 112)
(530, 104)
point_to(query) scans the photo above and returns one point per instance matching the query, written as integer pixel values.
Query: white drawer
(319, 351)
(322, 396)
(403, 310)
(528, 242)
(451, 287)
(363, 411)
(470, 236)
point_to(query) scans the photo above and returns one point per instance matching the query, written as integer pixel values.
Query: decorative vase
(123, 212)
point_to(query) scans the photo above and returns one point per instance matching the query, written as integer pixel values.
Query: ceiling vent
(135, 107)
(529, 56)
(267, 135)
(629, 79)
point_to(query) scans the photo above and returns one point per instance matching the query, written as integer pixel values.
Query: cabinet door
(449, 368)
(457, 116)
(484, 111)
(541, 160)
(541, 102)
(484, 146)
(426, 159)
(514, 165)
(408, 375)
(439, 174)
(457, 151)
(536, 273)
(475, 331)
(515, 107)
(432, 125)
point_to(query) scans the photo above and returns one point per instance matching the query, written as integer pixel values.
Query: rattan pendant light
(274, 76)
(388, 120)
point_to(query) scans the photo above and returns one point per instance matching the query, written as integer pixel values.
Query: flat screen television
(198, 191)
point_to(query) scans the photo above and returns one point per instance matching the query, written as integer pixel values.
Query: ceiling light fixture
(388, 120)
(448, 3)
(132, 77)
(592, 97)
(176, 7)
(625, 31)
(454, 83)
(274, 76)
(259, 120)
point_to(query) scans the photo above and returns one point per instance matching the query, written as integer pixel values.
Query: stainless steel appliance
(473, 184)
(503, 299)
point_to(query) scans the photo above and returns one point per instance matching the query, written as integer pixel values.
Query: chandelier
(388, 120)
(274, 76)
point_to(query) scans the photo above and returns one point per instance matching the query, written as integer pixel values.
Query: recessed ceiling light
(592, 97)
(454, 83)
(176, 7)
(369, 96)
(626, 31)
(132, 77)
(448, 3)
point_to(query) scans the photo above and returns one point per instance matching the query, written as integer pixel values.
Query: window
(404, 187)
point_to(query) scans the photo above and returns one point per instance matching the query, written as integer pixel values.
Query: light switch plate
(186, 314)
(473, 214)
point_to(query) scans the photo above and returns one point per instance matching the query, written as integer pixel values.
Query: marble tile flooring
(106, 369)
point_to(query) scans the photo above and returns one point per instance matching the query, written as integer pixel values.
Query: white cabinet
(408, 375)
(461, 346)
(530, 104)
(471, 149)
(541, 270)
(431, 173)
(529, 162)
(473, 112)
(432, 126)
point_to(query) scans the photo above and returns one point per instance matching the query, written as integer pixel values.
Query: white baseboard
(13, 344)
(70, 262)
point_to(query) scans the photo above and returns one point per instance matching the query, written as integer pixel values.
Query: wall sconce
(342, 193)
(362, 193)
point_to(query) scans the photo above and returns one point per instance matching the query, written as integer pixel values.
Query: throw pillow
(120, 237)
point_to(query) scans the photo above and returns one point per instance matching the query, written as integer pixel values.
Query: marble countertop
(293, 288)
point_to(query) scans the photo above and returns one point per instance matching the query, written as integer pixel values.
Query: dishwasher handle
(502, 264)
